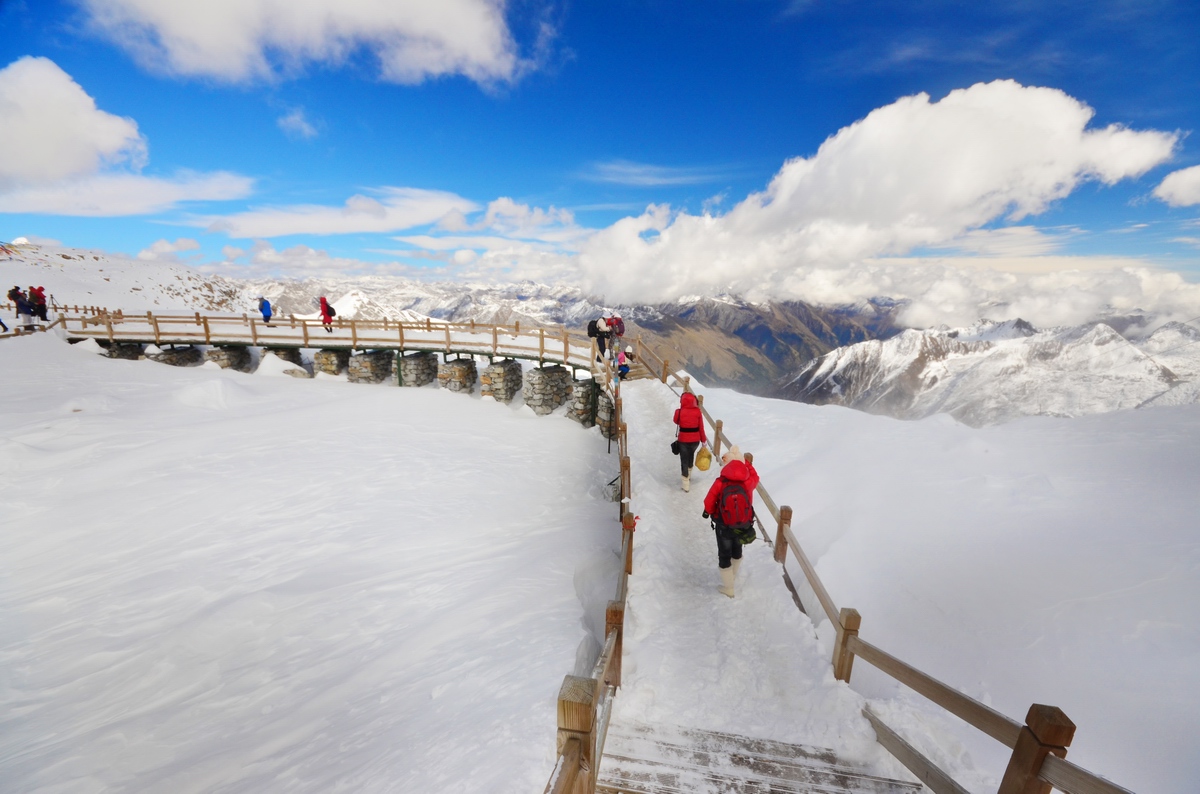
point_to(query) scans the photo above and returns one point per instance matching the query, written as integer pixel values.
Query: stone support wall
(458, 375)
(546, 388)
(288, 354)
(178, 356)
(372, 367)
(606, 416)
(502, 380)
(331, 362)
(583, 402)
(236, 358)
(130, 351)
(418, 369)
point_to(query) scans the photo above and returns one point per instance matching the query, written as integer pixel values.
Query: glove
(704, 514)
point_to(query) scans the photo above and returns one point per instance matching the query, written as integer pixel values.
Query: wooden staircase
(662, 759)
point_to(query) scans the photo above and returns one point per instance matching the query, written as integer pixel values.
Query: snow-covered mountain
(994, 372)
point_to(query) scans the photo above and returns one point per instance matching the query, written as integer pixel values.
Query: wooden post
(781, 544)
(108, 322)
(207, 332)
(253, 333)
(1047, 731)
(292, 320)
(566, 348)
(197, 318)
(716, 442)
(304, 330)
(577, 720)
(472, 325)
(541, 346)
(664, 372)
(843, 660)
(516, 327)
(447, 338)
(614, 620)
(353, 335)
(154, 322)
(245, 319)
(428, 324)
(400, 332)
(628, 524)
(687, 382)
(495, 338)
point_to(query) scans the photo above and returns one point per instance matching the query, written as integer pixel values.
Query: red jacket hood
(688, 400)
(736, 470)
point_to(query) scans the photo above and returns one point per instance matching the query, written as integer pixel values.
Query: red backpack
(735, 513)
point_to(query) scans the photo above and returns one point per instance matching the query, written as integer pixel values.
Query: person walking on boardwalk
(264, 306)
(691, 434)
(24, 311)
(13, 294)
(327, 315)
(729, 504)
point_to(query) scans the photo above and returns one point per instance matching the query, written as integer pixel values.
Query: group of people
(30, 307)
(729, 503)
(608, 331)
(326, 308)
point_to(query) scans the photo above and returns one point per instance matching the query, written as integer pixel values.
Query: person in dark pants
(729, 550)
(264, 306)
(691, 434)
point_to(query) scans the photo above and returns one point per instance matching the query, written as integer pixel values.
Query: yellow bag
(703, 458)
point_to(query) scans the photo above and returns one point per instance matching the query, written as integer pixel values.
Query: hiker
(264, 306)
(616, 327)
(13, 294)
(327, 314)
(598, 329)
(623, 360)
(729, 504)
(691, 434)
(25, 309)
(37, 300)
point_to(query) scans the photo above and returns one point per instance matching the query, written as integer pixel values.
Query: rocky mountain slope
(992, 373)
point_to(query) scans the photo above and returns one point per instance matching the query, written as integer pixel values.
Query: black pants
(601, 341)
(728, 548)
(687, 455)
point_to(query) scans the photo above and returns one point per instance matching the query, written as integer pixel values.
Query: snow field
(214, 582)
(1041, 561)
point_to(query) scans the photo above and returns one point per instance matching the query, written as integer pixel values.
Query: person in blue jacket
(264, 306)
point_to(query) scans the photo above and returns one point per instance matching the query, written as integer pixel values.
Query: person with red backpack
(327, 314)
(730, 505)
(691, 434)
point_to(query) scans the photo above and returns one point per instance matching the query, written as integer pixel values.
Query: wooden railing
(554, 345)
(1039, 745)
(585, 703)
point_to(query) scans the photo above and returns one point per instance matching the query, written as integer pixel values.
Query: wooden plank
(1065, 776)
(971, 711)
(814, 581)
(562, 779)
(925, 770)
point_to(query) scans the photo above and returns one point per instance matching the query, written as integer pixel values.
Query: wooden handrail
(814, 581)
(925, 770)
(562, 779)
(1065, 776)
(970, 710)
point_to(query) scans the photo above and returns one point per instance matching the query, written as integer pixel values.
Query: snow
(213, 581)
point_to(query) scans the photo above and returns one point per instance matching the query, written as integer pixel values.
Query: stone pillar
(372, 367)
(288, 354)
(236, 358)
(458, 375)
(418, 369)
(331, 362)
(130, 351)
(546, 388)
(584, 402)
(606, 416)
(502, 380)
(178, 356)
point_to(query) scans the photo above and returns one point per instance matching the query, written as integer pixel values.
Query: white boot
(687, 484)
(726, 587)
(736, 564)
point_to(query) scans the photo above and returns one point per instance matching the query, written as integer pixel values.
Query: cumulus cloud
(296, 125)
(395, 209)
(246, 40)
(1180, 188)
(912, 174)
(61, 155)
(165, 250)
(52, 130)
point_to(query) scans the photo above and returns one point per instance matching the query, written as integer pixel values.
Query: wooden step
(667, 759)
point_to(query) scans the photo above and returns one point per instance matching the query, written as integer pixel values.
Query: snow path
(218, 582)
(751, 665)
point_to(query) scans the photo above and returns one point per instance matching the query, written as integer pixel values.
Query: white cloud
(394, 210)
(52, 130)
(1180, 188)
(624, 172)
(114, 195)
(296, 125)
(244, 40)
(165, 250)
(912, 174)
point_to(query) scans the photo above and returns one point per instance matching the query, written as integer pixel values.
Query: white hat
(733, 453)
(629, 350)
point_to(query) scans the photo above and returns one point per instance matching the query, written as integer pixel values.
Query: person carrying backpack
(691, 434)
(599, 330)
(37, 299)
(730, 505)
(327, 314)
(264, 306)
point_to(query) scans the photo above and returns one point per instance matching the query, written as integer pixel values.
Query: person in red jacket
(729, 550)
(691, 434)
(327, 314)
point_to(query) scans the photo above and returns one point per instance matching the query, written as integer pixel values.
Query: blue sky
(528, 139)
